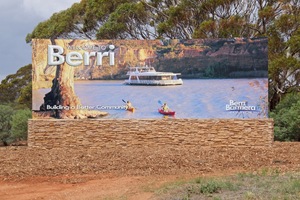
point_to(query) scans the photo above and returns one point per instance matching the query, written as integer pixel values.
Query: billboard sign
(150, 79)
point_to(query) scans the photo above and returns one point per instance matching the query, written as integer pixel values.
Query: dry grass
(265, 185)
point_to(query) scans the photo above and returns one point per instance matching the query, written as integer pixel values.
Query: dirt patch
(95, 187)
(28, 173)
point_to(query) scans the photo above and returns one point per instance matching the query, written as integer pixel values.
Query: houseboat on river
(148, 76)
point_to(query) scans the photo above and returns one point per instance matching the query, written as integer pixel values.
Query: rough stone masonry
(150, 133)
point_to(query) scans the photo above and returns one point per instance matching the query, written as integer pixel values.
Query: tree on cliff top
(183, 19)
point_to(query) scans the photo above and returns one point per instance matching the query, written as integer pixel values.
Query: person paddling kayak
(165, 110)
(129, 106)
(165, 107)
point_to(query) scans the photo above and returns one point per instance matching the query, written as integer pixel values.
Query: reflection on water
(194, 99)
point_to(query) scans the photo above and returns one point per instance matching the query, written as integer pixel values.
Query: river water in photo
(196, 98)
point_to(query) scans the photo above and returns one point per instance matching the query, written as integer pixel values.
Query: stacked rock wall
(151, 133)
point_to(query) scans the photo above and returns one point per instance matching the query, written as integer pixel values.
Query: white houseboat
(148, 76)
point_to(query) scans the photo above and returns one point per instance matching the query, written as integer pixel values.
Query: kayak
(130, 109)
(166, 113)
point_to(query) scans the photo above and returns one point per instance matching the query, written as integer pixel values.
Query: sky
(17, 19)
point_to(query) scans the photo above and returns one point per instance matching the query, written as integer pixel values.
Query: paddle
(124, 102)
(159, 102)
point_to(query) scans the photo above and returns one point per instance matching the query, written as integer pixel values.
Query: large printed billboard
(152, 79)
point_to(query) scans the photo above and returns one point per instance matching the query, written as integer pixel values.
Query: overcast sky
(17, 19)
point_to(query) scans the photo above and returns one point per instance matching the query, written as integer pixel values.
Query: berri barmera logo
(240, 106)
(56, 55)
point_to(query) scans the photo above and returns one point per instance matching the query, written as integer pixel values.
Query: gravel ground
(22, 162)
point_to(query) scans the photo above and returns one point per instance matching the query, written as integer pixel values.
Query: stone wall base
(151, 133)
